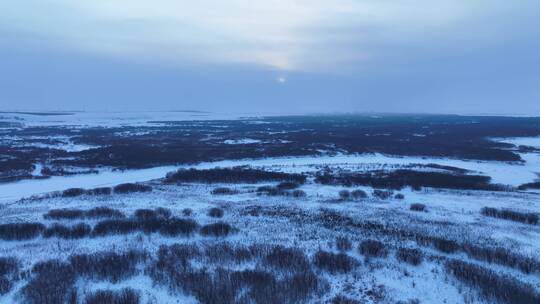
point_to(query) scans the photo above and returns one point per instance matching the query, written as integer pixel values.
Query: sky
(271, 56)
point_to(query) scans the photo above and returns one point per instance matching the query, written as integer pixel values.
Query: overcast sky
(289, 56)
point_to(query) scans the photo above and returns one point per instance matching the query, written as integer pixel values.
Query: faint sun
(281, 79)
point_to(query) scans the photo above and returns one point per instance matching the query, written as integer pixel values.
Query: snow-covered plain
(507, 173)
(310, 223)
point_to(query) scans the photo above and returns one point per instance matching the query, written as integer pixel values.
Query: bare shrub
(145, 214)
(167, 227)
(8, 266)
(9, 270)
(187, 212)
(399, 196)
(344, 195)
(373, 248)
(99, 191)
(57, 214)
(334, 262)
(215, 212)
(298, 193)
(246, 286)
(122, 296)
(103, 212)
(502, 256)
(20, 231)
(51, 282)
(270, 191)
(418, 207)
(516, 216)
(287, 185)
(107, 265)
(343, 243)
(382, 194)
(492, 285)
(288, 259)
(216, 229)
(163, 212)
(446, 246)
(339, 299)
(224, 191)
(67, 232)
(130, 188)
(73, 192)
(94, 213)
(412, 256)
(226, 252)
(176, 227)
(358, 194)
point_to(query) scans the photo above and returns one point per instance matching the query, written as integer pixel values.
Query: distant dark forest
(189, 142)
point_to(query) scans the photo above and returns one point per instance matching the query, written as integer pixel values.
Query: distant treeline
(399, 179)
(231, 175)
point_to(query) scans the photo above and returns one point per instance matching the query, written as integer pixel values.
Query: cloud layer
(279, 34)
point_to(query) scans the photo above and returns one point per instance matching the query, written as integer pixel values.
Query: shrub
(130, 188)
(8, 266)
(399, 196)
(492, 285)
(73, 192)
(528, 218)
(215, 212)
(20, 231)
(287, 185)
(167, 227)
(418, 207)
(343, 243)
(446, 246)
(94, 213)
(225, 252)
(224, 191)
(100, 191)
(121, 226)
(225, 286)
(57, 214)
(412, 256)
(163, 212)
(535, 185)
(187, 212)
(123, 296)
(144, 214)
(343, 300)
(107, 265)
(176, 227)
(231, 175)
(74, 232)
(270, 191)
(52, 282)
(5, 285)
(216, 229)
(382, 194)
(503, 256)
(9, 271)
(334, 263)
(372, 248)
(358, 194)
(103, 212)
(287, 259)
(298, 193)
(344, 195)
